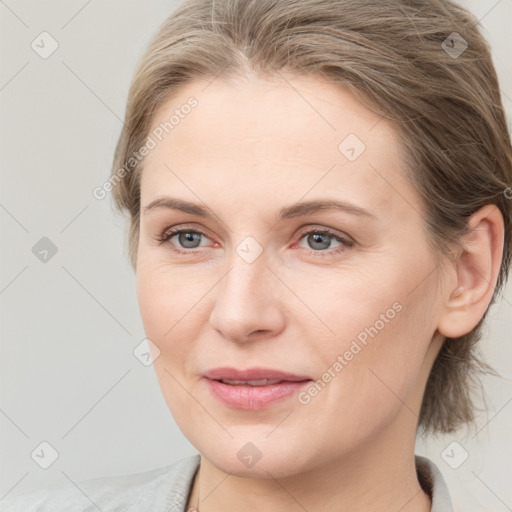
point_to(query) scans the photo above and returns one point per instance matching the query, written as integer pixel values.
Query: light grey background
(69, 326)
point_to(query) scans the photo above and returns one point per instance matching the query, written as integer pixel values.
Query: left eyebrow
(295, 210)
(310, 207)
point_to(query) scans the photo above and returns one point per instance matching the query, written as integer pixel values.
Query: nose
(248, 304)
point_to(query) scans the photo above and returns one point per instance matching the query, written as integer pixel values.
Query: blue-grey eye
(318, 240)
(188, 239)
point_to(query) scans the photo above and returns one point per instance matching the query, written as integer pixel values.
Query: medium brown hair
(395, 57)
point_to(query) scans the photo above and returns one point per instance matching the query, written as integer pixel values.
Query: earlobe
(477, 270)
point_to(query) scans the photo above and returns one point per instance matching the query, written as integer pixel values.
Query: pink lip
(245, 396)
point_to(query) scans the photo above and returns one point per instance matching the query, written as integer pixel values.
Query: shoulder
(432, 482)
(162, 489)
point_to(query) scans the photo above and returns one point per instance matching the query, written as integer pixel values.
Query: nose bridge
(247, 279)
(245, 300)
(247, 261)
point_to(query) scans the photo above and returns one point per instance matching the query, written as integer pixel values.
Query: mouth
(255, 388)
(253, 375)
(260, 382)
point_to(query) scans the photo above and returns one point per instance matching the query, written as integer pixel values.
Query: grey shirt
(164, 490)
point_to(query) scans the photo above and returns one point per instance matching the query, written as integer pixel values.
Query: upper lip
(227, 373)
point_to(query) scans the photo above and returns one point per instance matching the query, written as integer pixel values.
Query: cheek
(165, 295)
(383, 322)
(163, 303)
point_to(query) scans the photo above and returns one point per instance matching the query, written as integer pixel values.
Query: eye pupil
(317, 237)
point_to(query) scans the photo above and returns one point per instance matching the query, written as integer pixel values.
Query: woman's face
(353, 308)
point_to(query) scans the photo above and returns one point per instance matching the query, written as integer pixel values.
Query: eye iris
(314, 238)
(188, 237)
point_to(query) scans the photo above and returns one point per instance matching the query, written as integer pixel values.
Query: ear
(477, 270)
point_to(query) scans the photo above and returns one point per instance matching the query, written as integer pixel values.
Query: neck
(377, 478)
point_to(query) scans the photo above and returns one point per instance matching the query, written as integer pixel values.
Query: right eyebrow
(177, 204)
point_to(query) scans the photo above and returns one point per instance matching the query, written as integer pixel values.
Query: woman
(318, 193)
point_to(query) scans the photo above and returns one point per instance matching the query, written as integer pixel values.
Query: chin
(261, 458)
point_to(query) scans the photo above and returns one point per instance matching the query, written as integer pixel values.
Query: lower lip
(254, 398)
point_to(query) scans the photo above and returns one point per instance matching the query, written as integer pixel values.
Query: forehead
(299, 135)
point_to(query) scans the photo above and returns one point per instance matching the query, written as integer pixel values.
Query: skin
(248, 149)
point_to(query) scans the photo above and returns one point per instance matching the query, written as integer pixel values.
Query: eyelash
(347, 244)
